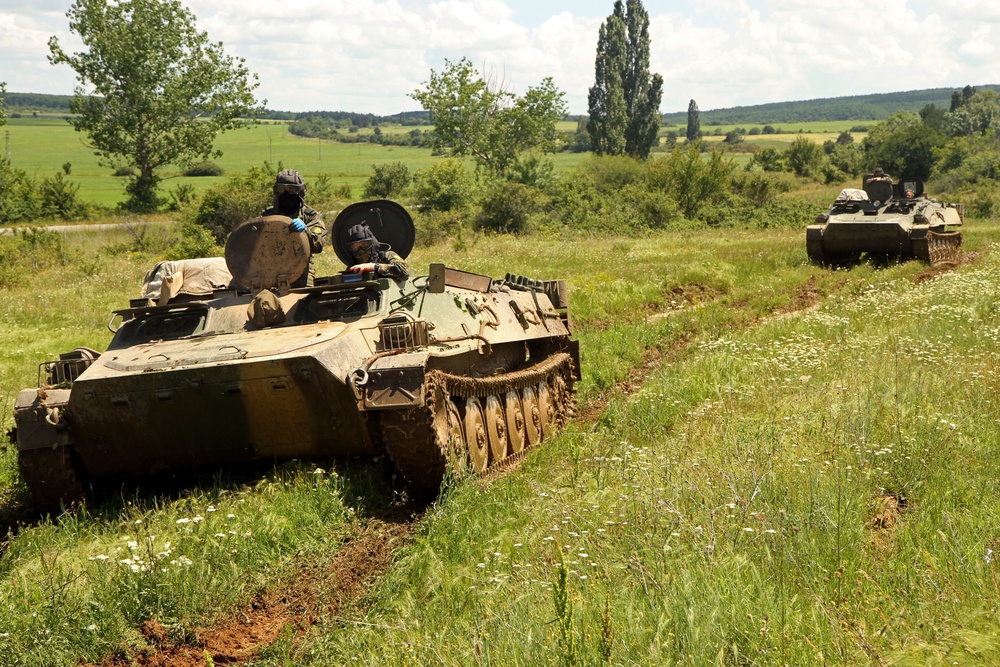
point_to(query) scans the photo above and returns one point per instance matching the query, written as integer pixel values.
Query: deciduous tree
(978, 115)
(624, 103)
(804, 156)
(902, 145)
(152, 89)
(473, 116)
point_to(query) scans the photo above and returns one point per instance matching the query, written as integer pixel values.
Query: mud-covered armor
(449, 373)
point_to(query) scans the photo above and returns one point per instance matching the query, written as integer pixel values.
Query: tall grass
(820, 488)
(761, 481)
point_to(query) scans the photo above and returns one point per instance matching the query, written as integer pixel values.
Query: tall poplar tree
(624, 103)
(694, 121)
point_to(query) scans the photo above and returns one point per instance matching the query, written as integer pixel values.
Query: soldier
(880, 176)
(370, 256)
(289, 199)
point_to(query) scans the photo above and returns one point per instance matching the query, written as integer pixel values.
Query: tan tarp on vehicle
(201, 276)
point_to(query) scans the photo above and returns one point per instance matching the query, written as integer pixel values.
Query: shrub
(611, 173)
(534, 171)
(649, 209)
(445, 186)
(436, 226)
(192, 241)
(388, 180)
(181, 197)
(19, 196)
(322, 194)
(768, 159)
(343, 191)
(756, 187)
(803, 156)
(204, 169)
(984, 202)
(507, 207)
(27, 252)
(59, 198)
(237, 199)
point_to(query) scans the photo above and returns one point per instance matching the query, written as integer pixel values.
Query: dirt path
(88, 227)
(313, 592)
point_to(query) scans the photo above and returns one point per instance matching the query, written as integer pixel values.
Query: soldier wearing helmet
(370, 256)
(880, 176)
(289, 200)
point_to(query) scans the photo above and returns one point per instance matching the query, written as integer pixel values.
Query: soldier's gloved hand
(297, 225)
(362, 268)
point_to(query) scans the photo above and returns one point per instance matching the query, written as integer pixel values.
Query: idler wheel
(496, 428)
(532, 417)
(515, 421)
(475, 429)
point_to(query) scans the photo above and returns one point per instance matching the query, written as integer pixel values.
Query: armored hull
(447, 373)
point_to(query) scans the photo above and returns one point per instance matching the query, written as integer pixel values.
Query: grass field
(41, 146)
(773, 464)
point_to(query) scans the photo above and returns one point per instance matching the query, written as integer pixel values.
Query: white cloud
(368, 55)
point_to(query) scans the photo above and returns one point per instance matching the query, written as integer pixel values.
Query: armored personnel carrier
(221, 362)
(886, 219)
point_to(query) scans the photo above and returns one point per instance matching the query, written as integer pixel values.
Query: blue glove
(297, 225)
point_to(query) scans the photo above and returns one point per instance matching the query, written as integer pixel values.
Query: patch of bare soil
(882, 526)
(935, 270)
(681, 297)
(311, 593)
(805, 297)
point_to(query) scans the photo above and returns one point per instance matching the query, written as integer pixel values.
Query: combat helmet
(289, 192)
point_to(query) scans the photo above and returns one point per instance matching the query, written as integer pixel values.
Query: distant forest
(27, 103)
(856, 107)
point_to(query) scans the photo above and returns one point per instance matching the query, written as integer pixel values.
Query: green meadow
(41, 146)
(773, 464)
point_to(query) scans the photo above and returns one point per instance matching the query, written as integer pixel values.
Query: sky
(367, 56)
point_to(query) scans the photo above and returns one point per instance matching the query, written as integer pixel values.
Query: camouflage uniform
(315, 226)
(387, 262)
(391, 264)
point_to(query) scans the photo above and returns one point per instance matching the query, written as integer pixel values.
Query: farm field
(41, 146)
(772, 463)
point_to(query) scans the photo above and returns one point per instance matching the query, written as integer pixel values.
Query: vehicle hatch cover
(389, 222)
(262, 252)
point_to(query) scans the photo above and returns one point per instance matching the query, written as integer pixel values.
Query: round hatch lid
(262, 253)
(389, 222)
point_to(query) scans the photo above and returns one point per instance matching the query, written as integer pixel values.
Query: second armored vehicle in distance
(886, 220)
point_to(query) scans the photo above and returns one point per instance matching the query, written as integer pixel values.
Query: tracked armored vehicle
(886, 220)
(222, 362)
